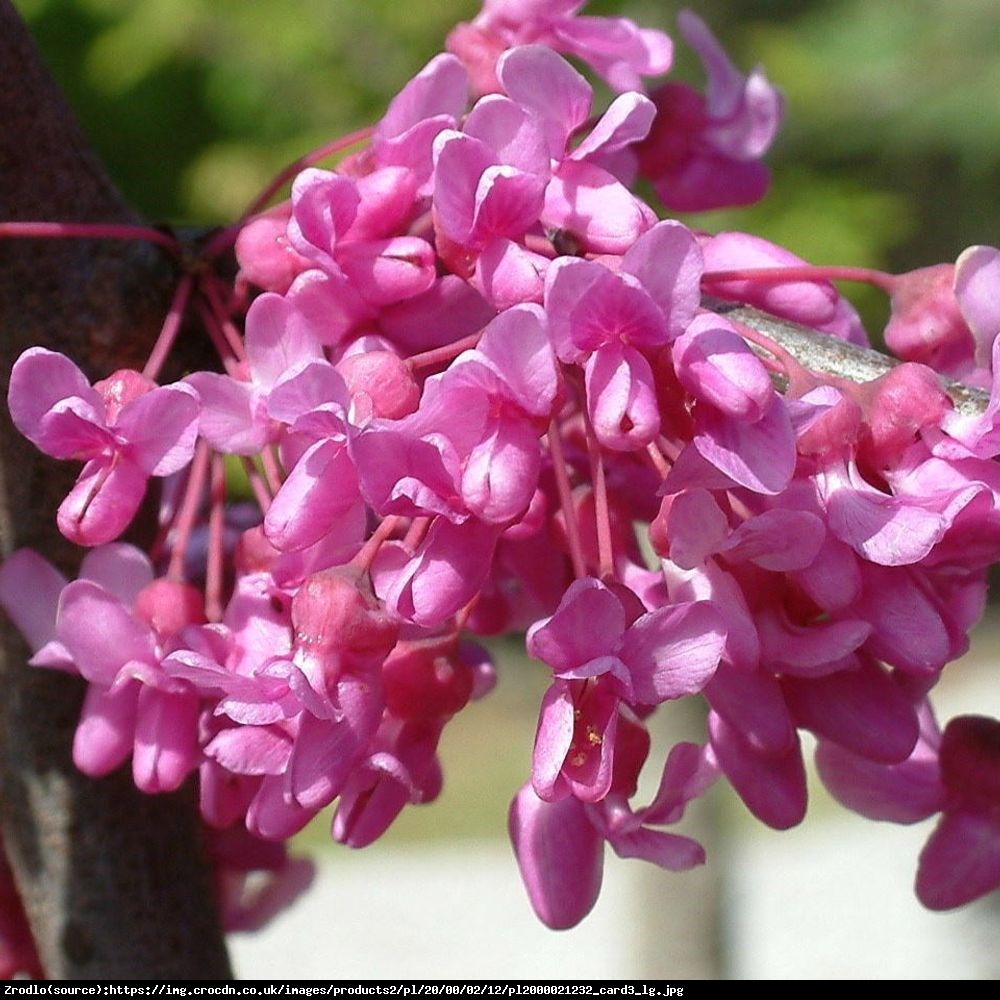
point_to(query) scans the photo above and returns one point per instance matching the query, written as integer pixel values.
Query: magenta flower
(124, 428)
(611, 322)
(600, 660)
(704, 152)
(956, 774)
(741, 424)
(560, 845)
(614, 47)
(816, 304)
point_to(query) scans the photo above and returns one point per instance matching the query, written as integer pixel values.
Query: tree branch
(115, 882)
(826, 355)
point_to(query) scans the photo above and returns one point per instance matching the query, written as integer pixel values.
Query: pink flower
(600, 659)
(956, 774)
(559, 844)
(704, 152)
(615, 47)
(612, 322)
(125, 429)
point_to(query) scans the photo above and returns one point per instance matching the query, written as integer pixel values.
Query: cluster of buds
(476, 385)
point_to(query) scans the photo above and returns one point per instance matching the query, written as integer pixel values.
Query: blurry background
(888, 158)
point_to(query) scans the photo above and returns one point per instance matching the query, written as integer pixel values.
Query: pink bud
(383, 378)
(168, 605)
(330, 613)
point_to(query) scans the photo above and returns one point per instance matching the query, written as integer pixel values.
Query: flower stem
(804, 272)
(187, 512)
(90, 230)
(308, 160)
(171, 326)
(214, 574)
(565, 491)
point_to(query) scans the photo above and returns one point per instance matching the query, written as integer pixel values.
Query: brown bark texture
(115, 882)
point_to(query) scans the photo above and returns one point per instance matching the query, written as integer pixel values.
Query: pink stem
(210, 290)
(273, 474)
(171, 326)
(801, 272)
(317, 155)
(602, 514)
(565, 491)
(222, 346)
(261, 491)
(90, 230)
(214, 574)
(659, 460)
(442, 355)
(365, 556)
(419, 527)
(187, 512)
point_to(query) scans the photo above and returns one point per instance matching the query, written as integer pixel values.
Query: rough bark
(114, 882)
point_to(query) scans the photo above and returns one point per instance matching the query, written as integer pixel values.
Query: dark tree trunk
(115, 882)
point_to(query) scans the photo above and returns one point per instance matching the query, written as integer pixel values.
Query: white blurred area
(831, 899)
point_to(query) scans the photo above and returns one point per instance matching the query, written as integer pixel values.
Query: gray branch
(826, 355)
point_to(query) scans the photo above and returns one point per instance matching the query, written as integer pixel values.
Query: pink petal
(233, 416)
(772, 786)
(753, 703)
(100, 633)
(673, 651)
(667, 260)
(252, 750)
(617, 49)
(390, 270)
(961, 860)
(595, 208)
(501, 471)
(326, 752)
(516, 345)
(552, 742)
(901, 793)
(324, 205)
(626, 121)
(103, 501)
(621, 398)
(446, 572)
(977, 278)
(39, 380)
(276, 339)
(668, 850)
(695, 525)
(440, 88)
(166, 739)
(29, 593)
(120, 568)
(507, 275)
(715, 364)
(511, 132)
(760, 456)
(459, 163)
(862, 710)
(537, 78)
(104, 736)
(321, 488)
(777, 540)
(161, 428)
(588, 623)
(885, 529)
(272, 816)
(560, 855)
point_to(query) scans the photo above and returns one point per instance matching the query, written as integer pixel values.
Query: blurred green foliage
(888, 157)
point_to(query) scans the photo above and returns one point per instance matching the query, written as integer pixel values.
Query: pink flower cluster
(474, 391)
